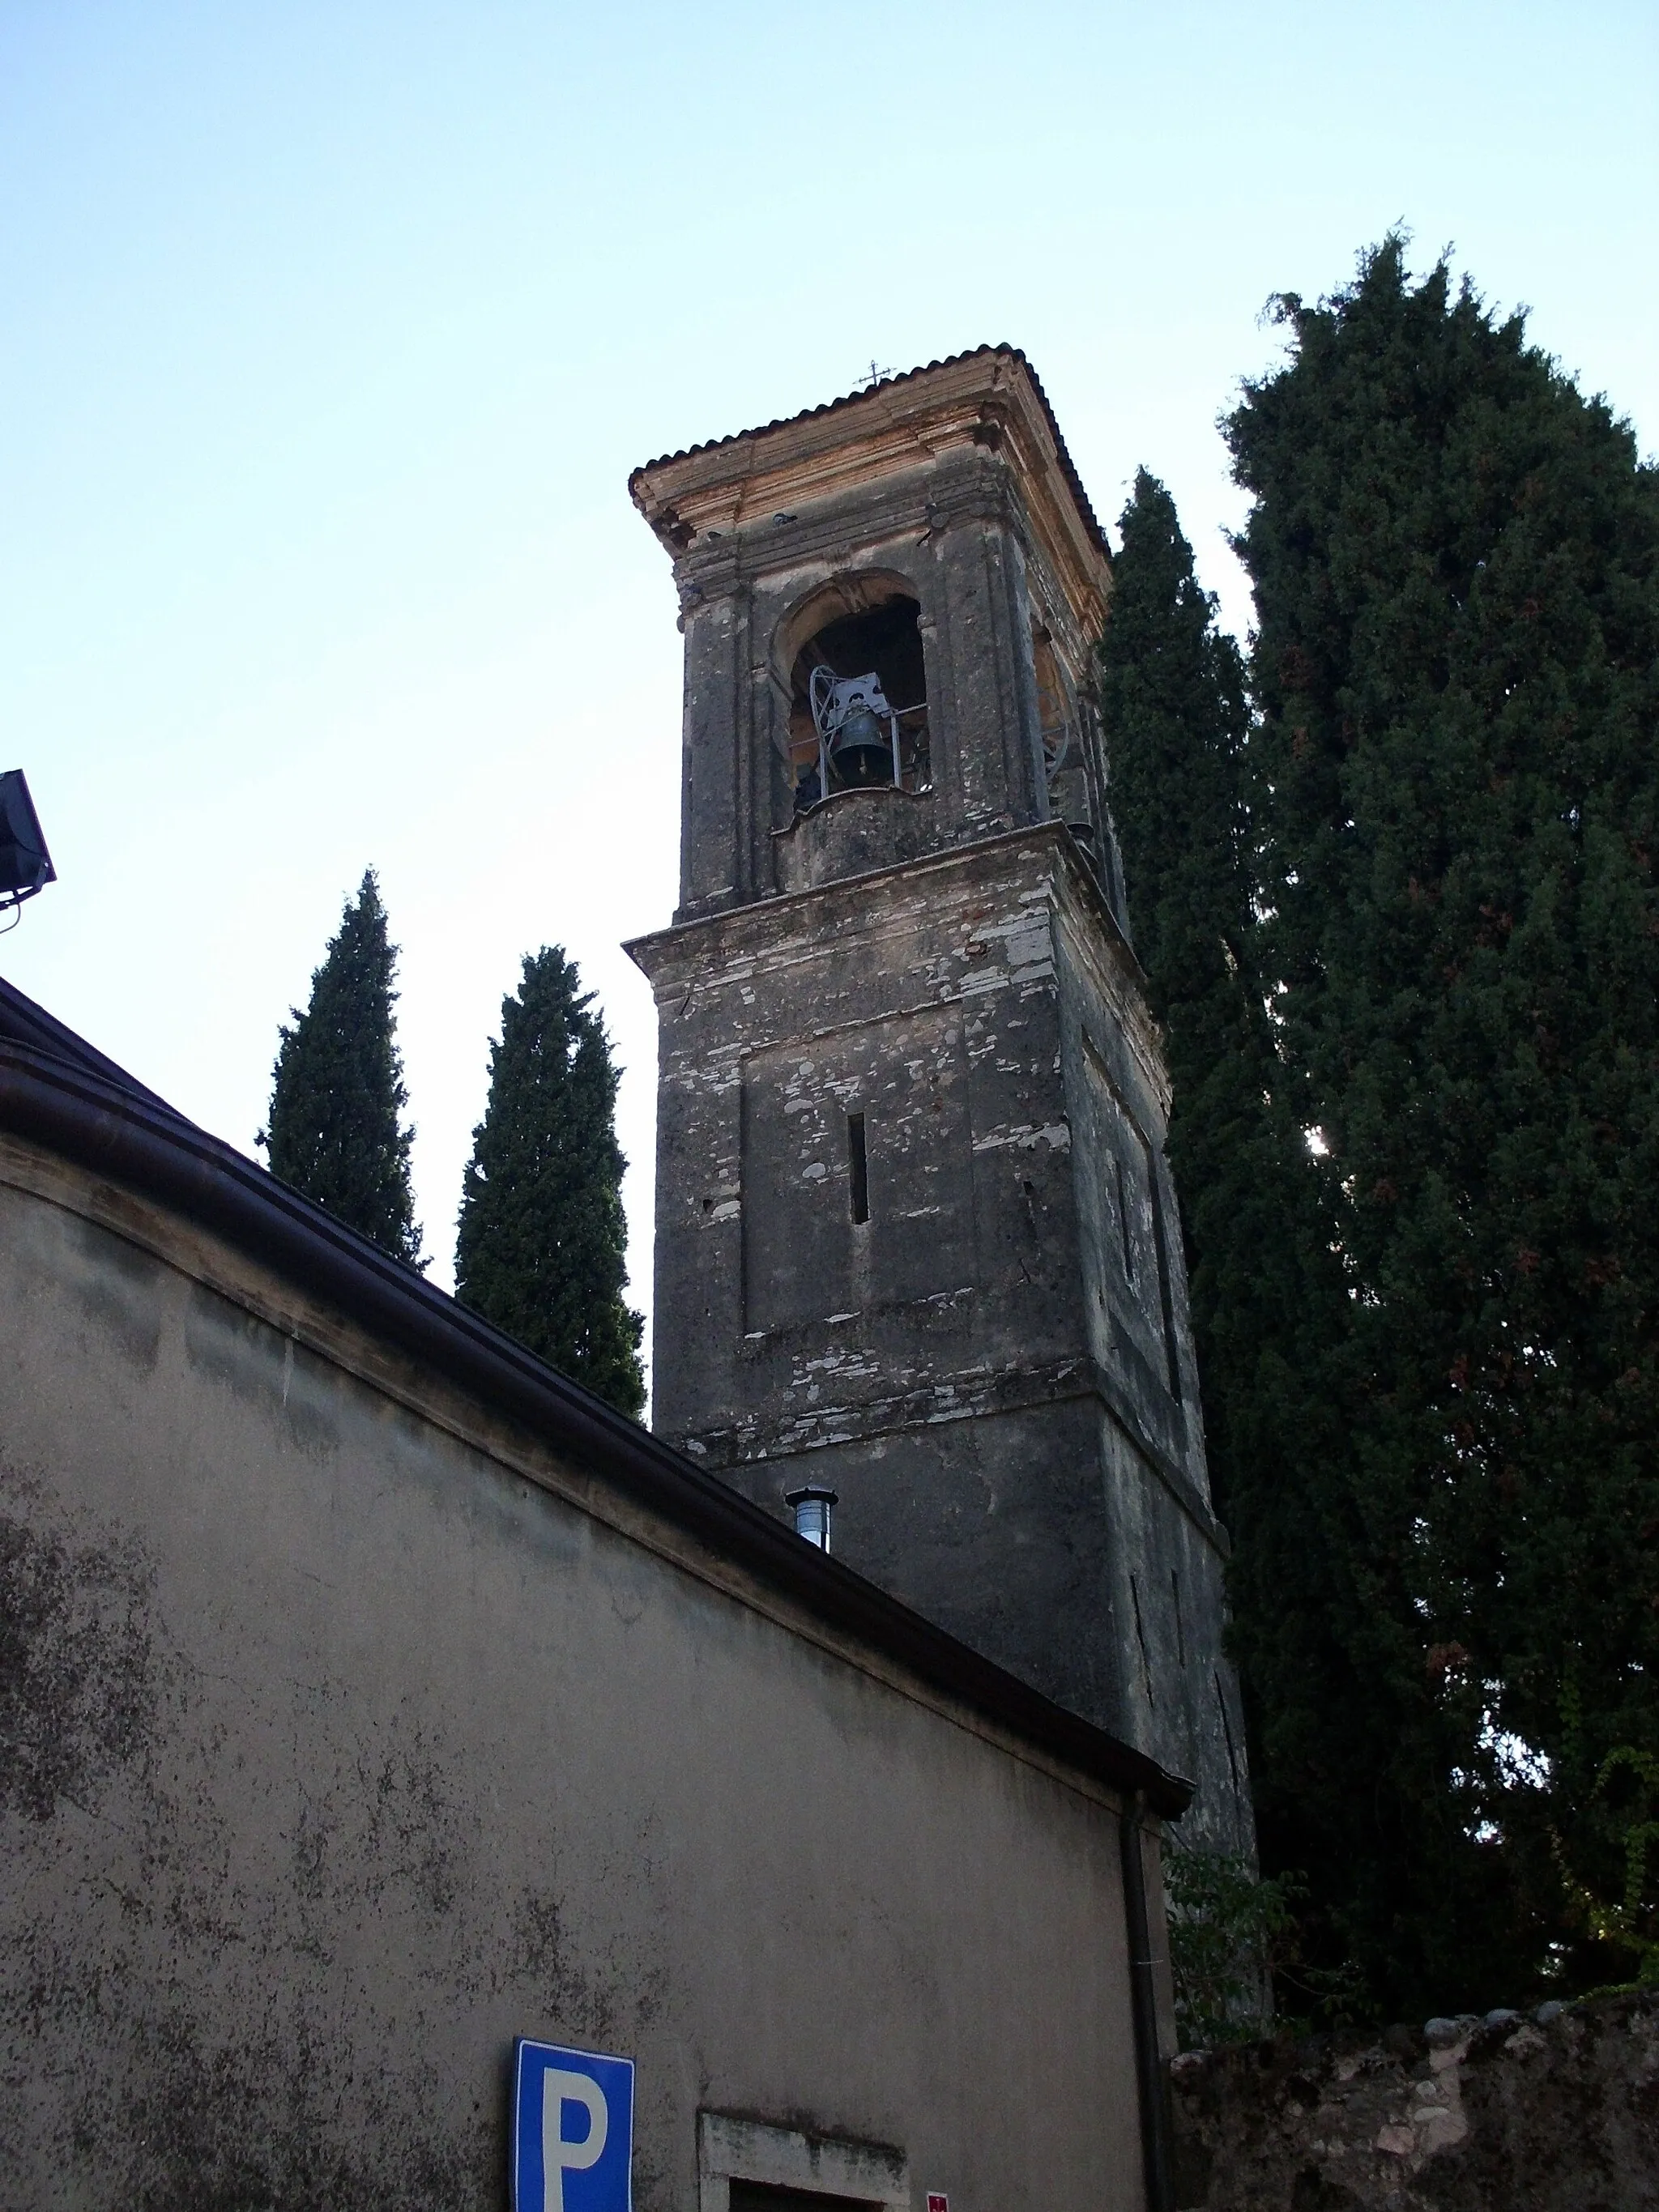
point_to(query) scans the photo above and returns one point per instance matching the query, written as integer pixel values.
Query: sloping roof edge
(58, 1091)
(1068, 468)
(23, 1021)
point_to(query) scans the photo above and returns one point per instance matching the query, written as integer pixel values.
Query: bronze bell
(861, 751)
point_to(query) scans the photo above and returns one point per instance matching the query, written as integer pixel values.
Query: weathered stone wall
(945, 487)
(1555, 2113)
(995, 1368)
(925, 999)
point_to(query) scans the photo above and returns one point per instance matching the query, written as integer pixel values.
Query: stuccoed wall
(1554, 2113)
(347, 1735)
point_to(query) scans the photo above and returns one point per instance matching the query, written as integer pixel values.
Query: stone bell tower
(916, 1237)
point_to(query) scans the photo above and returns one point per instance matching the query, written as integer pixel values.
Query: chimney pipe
(813, 1504)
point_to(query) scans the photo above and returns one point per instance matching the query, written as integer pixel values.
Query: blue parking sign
(572, 2130)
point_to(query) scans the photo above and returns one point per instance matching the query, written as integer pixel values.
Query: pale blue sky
(329, 334)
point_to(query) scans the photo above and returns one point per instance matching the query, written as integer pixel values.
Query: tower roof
(991, 397)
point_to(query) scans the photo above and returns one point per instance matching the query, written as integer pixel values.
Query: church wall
(351, 1732)
(950, 1518)
(1180, 1697)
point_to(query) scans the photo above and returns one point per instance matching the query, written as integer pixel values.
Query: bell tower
(917, 1244)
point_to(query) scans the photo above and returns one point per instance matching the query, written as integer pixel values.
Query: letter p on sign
(572, 2130)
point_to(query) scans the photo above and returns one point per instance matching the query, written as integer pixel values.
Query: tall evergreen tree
(1267, 1294)
(334, 1131)
(1455, 781)
(1170, 687)
(541, 1249)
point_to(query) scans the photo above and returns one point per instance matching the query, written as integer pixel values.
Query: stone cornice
(987, 405)
(977, 1395)
(693, 946)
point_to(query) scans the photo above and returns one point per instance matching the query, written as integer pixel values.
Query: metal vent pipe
(813, 1503)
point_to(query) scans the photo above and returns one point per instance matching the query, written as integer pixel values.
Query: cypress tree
(1266, 1292)
(333, 1130)
(541, 1248)
(1455, 785)
(1171, 688)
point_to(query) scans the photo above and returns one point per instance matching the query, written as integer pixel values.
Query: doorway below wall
(757, 2196)
(745, 2165)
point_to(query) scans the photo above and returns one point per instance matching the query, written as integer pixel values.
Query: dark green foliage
(1628, 1922)
(334, 1132)
(1235, 1954)
(1171, 688)
(1229, 1930)
(542, 1242)
(1434, 1414)
(1267, 1294)
(1455, 559)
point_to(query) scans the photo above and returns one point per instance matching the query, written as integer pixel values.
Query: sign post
(572, 2130)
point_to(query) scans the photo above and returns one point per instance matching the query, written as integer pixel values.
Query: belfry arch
(851, 661)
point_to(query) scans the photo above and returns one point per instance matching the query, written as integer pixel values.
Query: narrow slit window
(857, 1168)
(1123, 1223)
(1166, 1296)
(1140, 1638)
(1227, 1730)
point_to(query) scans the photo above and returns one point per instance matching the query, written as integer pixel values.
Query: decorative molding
(985, 408)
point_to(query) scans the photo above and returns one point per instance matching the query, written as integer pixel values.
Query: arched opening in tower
(858, 717)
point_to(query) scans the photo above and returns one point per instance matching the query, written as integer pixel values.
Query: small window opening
(1123, 1222)
(1180, 1639)
(1165, 1289)
(1140, 1638)
(857, 1168)
(1060, 716)
(1227, 1730)
(763, 2196)
(859, 716)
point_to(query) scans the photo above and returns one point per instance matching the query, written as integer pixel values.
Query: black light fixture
(25, 863)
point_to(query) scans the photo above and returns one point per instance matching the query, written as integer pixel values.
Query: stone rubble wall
(1557, 2113)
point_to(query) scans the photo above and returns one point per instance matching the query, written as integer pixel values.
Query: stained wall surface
(348, 1735)
(995, 1369)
